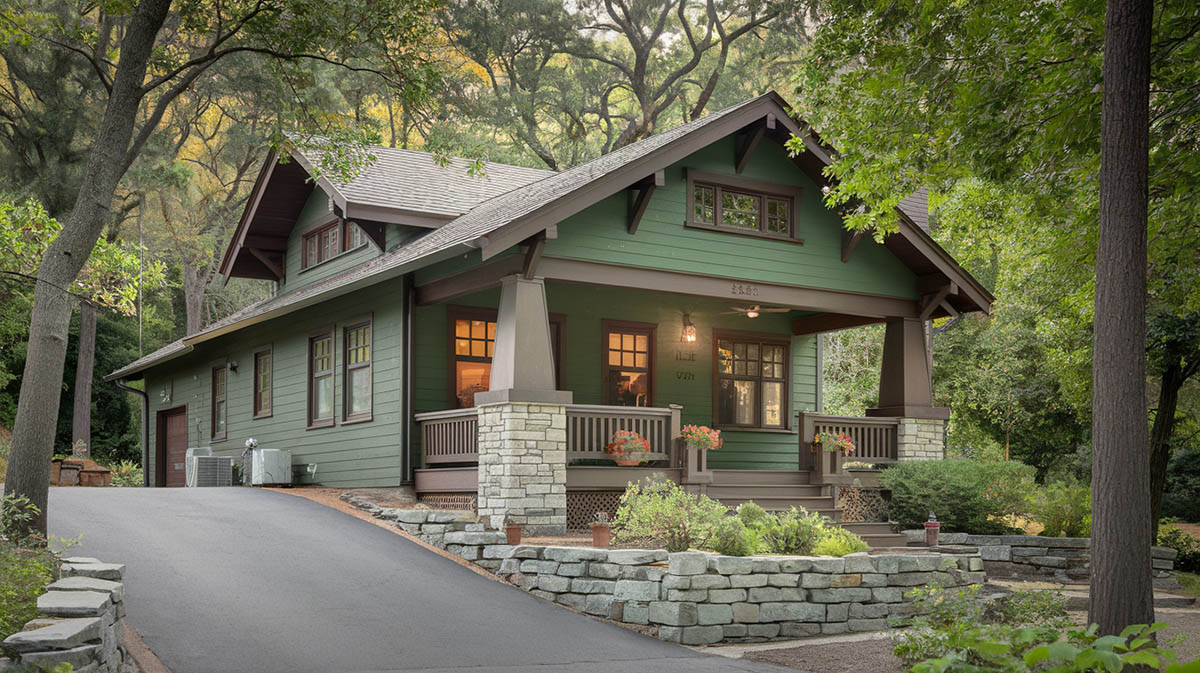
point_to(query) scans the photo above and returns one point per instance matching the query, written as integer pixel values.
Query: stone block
(734, 630)
(920, 563)
(79, 658)
(554, 583)
(859, 564)
(581, 585)
(1048, 561)
(681, 582)
(688, 563)
(837, 612)
(644, 573)
(1018, 552)
(497, 551)
(868, 610)
(509, 566)
(709, 582)
(525, 552)
(834, 628)
(574, 554)
(573, 601)
(872, 580)
(82, 560)
(783, 580)
(887, 564)
(726, 595)
(545, 595)
(848, 580)
(798, 630)
(730, 565)
(910, 579)
(115, 590)
(815, 580)
(847, 595)
(774, 594)
(490, 564)
(63, 634)
(694, 595)
(636, 613)
(763, 630)
(636, 556)
(707, 615)
(636, 590)
(103, 571)
(702, 635)
(747, 581)
(408, 515)
(746, 613)
(795, 565)
(572, 569)
(598, 604)
(791, 612)
(673, 613)
(764, 565)
(540, 567)
(996, 553)
(828, 565)
(857, 625)
(607, 571)
(975, 564)
(475, 538)
(74, 603)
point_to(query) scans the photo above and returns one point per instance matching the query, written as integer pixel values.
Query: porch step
(879, 541)
(768, 491)
(759, 477)
(871, 528)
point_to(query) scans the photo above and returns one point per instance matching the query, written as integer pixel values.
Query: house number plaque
(743, 290)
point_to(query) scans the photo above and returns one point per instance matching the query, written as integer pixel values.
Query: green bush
(731, 537)
(837, 541)
(1181, 493)
(793, 532)
(16, 520)
(967, 495)
(1186, 544)
(1063, 508)
(661, 512)
(126, 473)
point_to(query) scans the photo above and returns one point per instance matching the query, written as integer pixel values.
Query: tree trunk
(195, 282)
(41, 382)
(1121, 591)
(81, 421)
(1161, 434)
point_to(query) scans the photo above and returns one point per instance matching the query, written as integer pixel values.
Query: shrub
(16, 520)
(731, 537)
(662, 512)
(1187, 545)
(837, 541)
(1181, 494)
(126, 473)
(24, 574)
(967, 495)
(1063, 508)
(794, 532)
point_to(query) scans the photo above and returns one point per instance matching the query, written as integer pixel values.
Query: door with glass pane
(751, 375)
(628, 363)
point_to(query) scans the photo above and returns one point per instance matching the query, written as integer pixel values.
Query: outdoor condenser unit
(270, 466)
(201, 468)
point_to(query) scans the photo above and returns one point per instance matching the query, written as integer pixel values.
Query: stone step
(881, 540)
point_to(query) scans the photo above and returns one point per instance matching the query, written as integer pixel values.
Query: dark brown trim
(255, 410)
(367, 321)
(327, 331)
(745, 144)
(454, 312)
(160, 442)
(762, 190)
(829, 322)
(786, 403)
(256, 194)
(639, 198)
(266, 260)
(651, 330)
(316, 232)
(481, 277)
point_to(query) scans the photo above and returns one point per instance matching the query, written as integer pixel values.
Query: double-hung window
(219, 399)
(473, 341)
(320, 380)
(357, 380)
(733, 204)
(751, 382)
(262, 383)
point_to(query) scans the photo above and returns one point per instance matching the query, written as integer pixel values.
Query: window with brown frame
(262, 383)
(751, 380)
(472, 342)
(734, 204)
(357, 397)
(330, 240)
(628, 368)
(320, 380)
(219, 397)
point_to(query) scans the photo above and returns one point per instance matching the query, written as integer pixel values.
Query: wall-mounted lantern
(688, 333)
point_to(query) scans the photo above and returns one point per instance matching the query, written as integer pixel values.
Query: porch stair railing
(874, 442)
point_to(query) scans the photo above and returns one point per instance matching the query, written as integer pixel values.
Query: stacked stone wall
(921, 439)
(81, 622)
(523, 466)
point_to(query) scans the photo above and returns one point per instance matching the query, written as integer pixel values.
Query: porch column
(523, 419)
(906, 391)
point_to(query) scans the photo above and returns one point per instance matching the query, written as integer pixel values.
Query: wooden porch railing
(449, 436)
(874, 442)
(590, 427)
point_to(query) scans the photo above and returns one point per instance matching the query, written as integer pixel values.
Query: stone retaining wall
(700, 598)
(1063, 559)
(81, 622)
(921, 439)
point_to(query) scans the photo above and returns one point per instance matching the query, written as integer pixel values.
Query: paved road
(250, 581)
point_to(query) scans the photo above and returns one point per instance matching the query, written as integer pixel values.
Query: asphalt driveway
(249, 581)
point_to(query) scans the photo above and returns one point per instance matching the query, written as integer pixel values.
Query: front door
(172, 447)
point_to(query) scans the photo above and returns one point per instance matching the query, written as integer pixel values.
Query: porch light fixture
(752, 313)
(688, 333)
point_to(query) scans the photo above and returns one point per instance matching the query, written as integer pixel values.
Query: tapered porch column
(906, 391)
(523, 419)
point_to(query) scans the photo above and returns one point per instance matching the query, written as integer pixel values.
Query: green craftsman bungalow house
(482, 337)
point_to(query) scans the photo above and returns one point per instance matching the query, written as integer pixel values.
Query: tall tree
(159, 55)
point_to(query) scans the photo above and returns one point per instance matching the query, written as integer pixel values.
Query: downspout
(145, 428)
(406, 391)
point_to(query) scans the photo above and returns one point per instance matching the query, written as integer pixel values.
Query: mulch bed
(858, 656)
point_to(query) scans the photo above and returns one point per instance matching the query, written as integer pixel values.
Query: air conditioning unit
(204, 469)
(270, 467)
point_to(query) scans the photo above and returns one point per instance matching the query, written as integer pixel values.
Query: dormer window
(330, 240)
(737, 205)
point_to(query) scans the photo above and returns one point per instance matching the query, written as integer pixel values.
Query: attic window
(749, 207)
(330, 240)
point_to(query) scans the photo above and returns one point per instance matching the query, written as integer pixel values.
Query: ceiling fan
(754, 311)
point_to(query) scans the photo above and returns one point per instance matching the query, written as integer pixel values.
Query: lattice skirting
(582, 507)
(862, 505)
(463, 501)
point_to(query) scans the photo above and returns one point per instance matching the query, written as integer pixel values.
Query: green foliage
(16, 516)
(1186, 544)
(1181, 497)
(732, 537)
(794, 532)
(1063, 508)
(966, 495)
(24, 574)
(661, 511)
(129, 473)
(837, 541)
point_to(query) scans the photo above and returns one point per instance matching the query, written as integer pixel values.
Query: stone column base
(921, 439)
(523, 466)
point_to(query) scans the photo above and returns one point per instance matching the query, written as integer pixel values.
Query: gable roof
(504, 220)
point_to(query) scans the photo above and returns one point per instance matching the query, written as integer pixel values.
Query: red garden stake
(933, 529)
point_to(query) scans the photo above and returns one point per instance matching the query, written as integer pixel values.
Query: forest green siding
(599, 233)
(359, 454)
(678, 378)
(316, 212)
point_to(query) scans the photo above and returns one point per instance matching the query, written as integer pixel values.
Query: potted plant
(55, 467)
(512, 531)
(601, 530)
(627, 448)
(834, 442)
